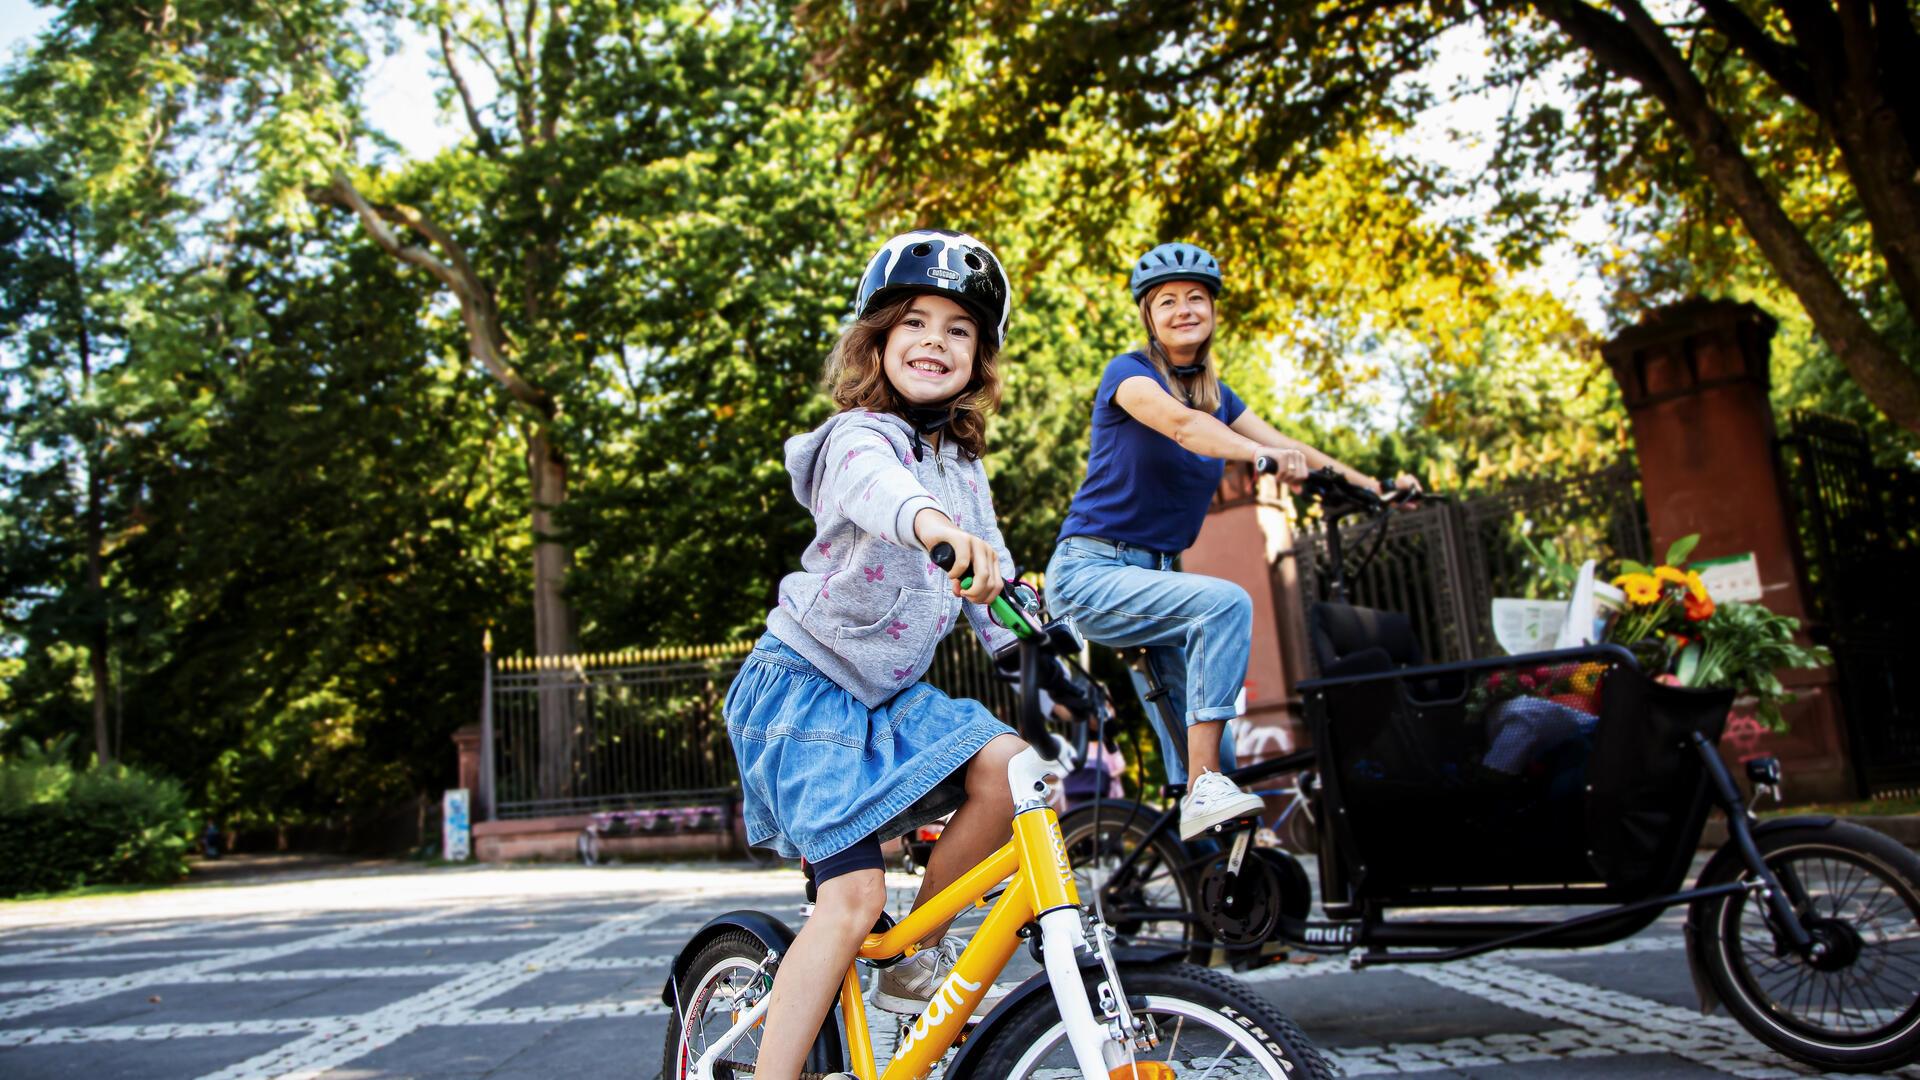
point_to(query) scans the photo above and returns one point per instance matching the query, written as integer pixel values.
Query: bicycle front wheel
(1150, 899)
(1198, 1023)
(724, 980)
(1855, 1008)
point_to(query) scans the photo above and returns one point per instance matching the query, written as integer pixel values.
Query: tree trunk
(487, 342)
(552, 617)
(99, 629)
(98, 634)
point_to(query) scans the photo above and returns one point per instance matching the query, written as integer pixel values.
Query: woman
(1164, 425)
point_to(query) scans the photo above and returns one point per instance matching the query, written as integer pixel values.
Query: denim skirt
(820, 771)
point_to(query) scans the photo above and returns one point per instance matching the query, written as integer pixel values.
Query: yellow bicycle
(1099, 1011)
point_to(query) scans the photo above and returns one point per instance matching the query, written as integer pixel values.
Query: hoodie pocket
(888, 649)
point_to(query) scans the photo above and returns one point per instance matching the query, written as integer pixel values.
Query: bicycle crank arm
(1239, 855)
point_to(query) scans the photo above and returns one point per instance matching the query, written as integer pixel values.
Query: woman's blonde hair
(1204, 395)
(856, 378)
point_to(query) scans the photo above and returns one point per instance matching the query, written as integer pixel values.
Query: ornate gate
(1860, 529)
(1443, 564)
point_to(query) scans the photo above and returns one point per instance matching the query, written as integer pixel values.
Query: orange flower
(1699, 606)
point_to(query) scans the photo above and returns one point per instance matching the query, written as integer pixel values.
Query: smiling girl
(840, 745)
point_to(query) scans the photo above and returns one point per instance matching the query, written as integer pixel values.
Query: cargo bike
(1552, 780)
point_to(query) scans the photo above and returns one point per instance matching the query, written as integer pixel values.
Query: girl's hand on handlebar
(1408, 488)
(972, 556)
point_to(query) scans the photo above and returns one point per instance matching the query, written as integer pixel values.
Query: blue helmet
(951, 264)
(1174, 262)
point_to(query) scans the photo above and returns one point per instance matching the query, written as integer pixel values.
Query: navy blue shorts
(863, 855)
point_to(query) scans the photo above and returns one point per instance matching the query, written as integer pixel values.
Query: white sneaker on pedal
(907, 986)
(1212, 799)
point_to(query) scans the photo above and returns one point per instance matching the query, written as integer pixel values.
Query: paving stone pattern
(520, 975)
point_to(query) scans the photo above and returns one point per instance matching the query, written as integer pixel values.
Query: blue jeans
(1197, 630)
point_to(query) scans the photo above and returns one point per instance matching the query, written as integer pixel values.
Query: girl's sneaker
(1212, 799)
(907, 986)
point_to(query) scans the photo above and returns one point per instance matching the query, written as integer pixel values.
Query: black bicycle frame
(1438, 941)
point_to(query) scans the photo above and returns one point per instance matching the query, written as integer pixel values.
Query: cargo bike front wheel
(1851, 1004)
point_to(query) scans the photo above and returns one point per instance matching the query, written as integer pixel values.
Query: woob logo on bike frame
(946, 1004)
(1060, 855)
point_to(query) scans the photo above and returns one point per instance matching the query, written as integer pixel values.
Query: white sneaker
(907, 986)
(1212, 799)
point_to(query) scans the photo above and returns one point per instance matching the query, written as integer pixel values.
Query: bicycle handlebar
(1328, 484)
(1329, 481)
(1031, 640)
(1003, 613)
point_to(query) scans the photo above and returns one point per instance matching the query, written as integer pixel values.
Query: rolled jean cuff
(1218, 712)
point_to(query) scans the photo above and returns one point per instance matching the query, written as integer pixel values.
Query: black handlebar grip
(1265, 464)
(942, 555)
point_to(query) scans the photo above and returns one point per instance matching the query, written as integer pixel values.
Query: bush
(61, 827)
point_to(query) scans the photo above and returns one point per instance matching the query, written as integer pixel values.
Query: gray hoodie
(868, 606)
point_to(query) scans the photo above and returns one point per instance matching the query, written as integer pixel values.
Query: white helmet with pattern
(949, 264)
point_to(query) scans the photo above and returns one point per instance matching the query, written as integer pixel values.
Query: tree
(1199, 100)
(319, 534)
(88, 224)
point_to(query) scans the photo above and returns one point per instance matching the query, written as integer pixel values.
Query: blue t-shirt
(1143, 488)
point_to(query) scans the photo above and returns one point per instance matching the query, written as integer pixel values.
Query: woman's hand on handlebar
(972, 556)
(1288, 464)
(1408, 488)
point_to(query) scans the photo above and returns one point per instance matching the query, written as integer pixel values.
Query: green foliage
(1218, 120)
(62, 828)
(1742, 646)
(1554, 565)
(1678, 551)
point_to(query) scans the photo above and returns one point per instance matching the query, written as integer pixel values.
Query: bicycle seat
(1352, 640)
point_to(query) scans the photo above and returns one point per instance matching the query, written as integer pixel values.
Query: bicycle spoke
(1880, 985)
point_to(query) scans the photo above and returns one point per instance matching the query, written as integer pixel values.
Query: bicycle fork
(1097, 1048)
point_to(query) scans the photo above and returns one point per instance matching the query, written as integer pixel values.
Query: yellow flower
(1696, 587)
(1670, 573)
(1641, 588)
(1585, 679)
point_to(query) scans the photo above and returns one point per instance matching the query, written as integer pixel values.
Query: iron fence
(1443, 563)
(1860, 530)
(631, 730)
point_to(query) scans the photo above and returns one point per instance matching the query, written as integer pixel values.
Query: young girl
(840, 745)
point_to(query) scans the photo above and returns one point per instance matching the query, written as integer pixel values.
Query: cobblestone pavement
(525, 973)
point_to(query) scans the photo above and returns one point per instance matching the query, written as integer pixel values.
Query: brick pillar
(466, 742)
(1247, 529)
(1695, 378)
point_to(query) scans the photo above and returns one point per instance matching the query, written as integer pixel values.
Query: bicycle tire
(1855, 888)
(1168, 883)
(1216, 1021)
(735, 953)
